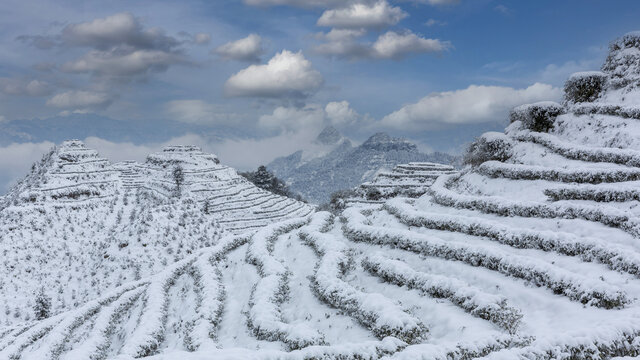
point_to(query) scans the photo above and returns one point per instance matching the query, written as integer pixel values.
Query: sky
(268, 75)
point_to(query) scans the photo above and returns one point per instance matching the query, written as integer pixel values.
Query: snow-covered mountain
(531, 252)
(79, 226)
(332, 163)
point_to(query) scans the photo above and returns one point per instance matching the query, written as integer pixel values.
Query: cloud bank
(475, 104)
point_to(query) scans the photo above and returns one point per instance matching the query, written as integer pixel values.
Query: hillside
(531, 252)
(79, 226)
(406, 180)
(335, 164)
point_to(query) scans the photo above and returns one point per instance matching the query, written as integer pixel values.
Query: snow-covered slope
(531, 253)
(79, 226)
(333, 163)
(406, 180)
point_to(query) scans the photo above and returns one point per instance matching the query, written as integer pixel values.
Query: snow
(532, 254)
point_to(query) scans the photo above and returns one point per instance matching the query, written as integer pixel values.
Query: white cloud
(390, 45)
(2, 119)
(475, 104)
(119, 64)
(363, 15)
(120, 46)
(80, 99)
(341, 113)
(343, 43)
(116, 30)
(291, 118)
(287, 74)
(197, 112)
(312, 117)
(24, 88)
(246, 49)
(393, 45)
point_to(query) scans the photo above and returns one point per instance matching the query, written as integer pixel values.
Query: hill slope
(337, 165)
(79, 226)
(531, 253)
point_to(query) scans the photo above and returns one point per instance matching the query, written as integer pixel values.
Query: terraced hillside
(531, 252)
(78, 226)
(407, 180)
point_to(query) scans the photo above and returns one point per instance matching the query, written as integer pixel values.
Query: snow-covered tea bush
(489, 146)
(584, 86)
(538, 116)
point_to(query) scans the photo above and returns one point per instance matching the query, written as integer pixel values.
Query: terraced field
(78, 226)
(410, 180)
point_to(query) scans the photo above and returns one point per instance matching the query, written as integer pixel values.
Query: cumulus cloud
(286, 75)
(393, 45)
(197, 112)
(245, 49)
(390, 45)
(341, 113)
(120, 46)
(475, 104)
(291, 118)
(311, 117)
(362, 15)
(116, 30)
(121, 64)
(24, 87)
(80, 99)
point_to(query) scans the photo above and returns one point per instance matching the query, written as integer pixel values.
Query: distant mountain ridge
(80, 126)
(343, 166)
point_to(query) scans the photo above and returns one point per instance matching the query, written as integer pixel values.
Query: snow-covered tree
(178, 178)
(42, 306)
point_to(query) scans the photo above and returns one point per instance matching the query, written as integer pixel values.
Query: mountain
(530, 252)
(335, 164)
(79, 226)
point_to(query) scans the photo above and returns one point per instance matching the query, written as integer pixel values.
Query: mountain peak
(329, 136)
(384, 142)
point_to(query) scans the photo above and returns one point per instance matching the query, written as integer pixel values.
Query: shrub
(489, 146)
(584, 86)
(621, 63)
(538, 117)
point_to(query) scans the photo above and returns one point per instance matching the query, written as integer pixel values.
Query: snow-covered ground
(532, 253)
(78, 226)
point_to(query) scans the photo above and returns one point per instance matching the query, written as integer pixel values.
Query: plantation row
(560, 281)
(381, 315)
(505, 207)
(615, 257)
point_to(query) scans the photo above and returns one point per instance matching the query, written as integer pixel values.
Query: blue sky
(276, 71)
